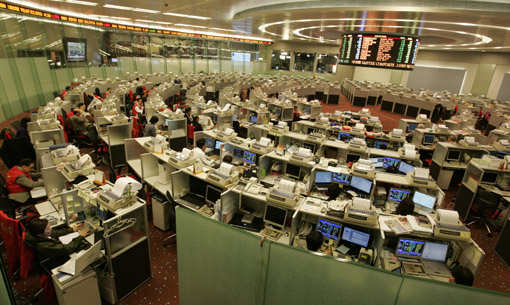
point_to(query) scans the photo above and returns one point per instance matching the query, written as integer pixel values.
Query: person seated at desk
(314, 242)
(22, 131)
(65, 92)
(196, 124)
(20, 181)
(199, 153)
(45, 242)
(96, 100)
(405, 207)
(84, 114)
(150, 128)
(187, 115)
(81, 125)
(333, 192)
(108, 92)
(296, 116)
(227, 159)
(462, 275)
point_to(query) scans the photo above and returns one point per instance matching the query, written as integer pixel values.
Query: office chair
(191, 134)
(485, 207)
(173, 224)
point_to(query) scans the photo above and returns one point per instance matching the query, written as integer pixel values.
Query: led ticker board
(378, 50)
(43, 14)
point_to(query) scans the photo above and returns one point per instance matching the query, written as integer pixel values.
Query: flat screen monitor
(435, 252)
(453, 155)
(502, 154)
(209, 143)
(167, 121)
(275, 216)
(356, 237)
(308, 109)
(293, 170)
(249, 157)
(323, 177)
(411, 127)
(409, 247)
(341, 178)
(377, 162)
(361, 184)
(238, 153)
(329, 229)
(352, 158)
(253, 119)
(381, 145)
(428, 139)
(423, 199)
(489, 177)
(76, 49)
(310, 146)
(347, 136)
(398, 195)
(218, 144)
(391, 162)
(405, 167)
(212, 194)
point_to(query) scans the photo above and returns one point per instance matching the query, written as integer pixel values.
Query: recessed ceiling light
(145, 10)
(152, 21)
(118, 7)
(82, 2)
(120, 18)
(190, 25)
(187, 16)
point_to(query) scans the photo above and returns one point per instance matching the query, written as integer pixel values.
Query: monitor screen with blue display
(398, 195)
(249, 157)
(381, 145)
(218, 144)
(428, 139)
(341, 178)
(361, 184)
(253, 119)
(356, 237)
(405, 167)
(391, 162)
(411, 127)
(377, 162)
(308, 109)
(323, 177)
(209, 143)
(347, 136)
(409, 247)
(329, 229)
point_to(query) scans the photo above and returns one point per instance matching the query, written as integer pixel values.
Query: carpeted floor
(163, 287)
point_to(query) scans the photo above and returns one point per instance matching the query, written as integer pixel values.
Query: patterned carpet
(163, 287)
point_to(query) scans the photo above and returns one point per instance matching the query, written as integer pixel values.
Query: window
(304, 62)
(280, 60)
(326, 63)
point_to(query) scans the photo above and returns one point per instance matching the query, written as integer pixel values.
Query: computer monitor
(308, 109)
(502, 154)
(352, 158)
(411, 127)
(253, 119)
(391, 162)
(341, 178)
(293, 170)
(435, 251)
(398, 195)
(84, 259)
(323, 177)
(275, 216)
(489, 177)
(409, 247)
(361, 184)
(212, 194)
(405, 167)
(310, 146)
(278, 111)
(249, 157)
(218, 144)
(453, 155)
(428, 139)
(347, 136)
(423, 199)
(329, 229)
(209, 143)
(238, 153)
(377, 162)
(381, 145)
(356, 237)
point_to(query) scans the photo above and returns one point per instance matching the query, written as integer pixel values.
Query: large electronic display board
(378, 50)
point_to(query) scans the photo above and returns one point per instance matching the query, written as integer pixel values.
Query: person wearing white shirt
(199, 153)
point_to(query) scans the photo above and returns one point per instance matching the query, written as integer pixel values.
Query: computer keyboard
(461, 228)
(206, 211)
(363, 212)
(283, 194)
(271, 233)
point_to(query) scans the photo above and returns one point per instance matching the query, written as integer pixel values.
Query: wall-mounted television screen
(75, 48)
(378, 50)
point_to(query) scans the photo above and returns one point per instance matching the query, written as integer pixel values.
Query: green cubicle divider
(219, 264)
(418, 291)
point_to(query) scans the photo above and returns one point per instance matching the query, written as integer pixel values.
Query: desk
(81, 289)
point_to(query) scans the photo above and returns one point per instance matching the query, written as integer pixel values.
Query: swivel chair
(173, 224)
(485, 207)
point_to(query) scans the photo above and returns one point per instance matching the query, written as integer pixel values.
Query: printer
(316, 137)
(302, 155)
(447, 225)
(358, 129)
(397, 134)
(122, 194)
(469, 142)
(156, 144)
(66, 154)
(119, 119)
(361, 211)
(408, 152)
(108, 109)
(363, 168)
(279, 129)
(283, 194)
(81, 167)
(419, 177)
(263, 146)
(225, 135)
(224, 176)
(358, 144)
(46, 124)
(502, 145)
(322, 122)
(181, 159)
(441, 128)
(364, 112)
(46, 112)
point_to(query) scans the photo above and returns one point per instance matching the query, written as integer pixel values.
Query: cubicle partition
(219, 264)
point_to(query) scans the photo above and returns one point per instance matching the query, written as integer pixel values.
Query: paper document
(45, 208)
(121, 186)
(38, 192)
(68, 238)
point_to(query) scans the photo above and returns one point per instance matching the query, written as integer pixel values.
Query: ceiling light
(118, 7)
(120, 18)
(193, 26)
(187, 16)
(151, 21)
(145, 10)
(82, 2)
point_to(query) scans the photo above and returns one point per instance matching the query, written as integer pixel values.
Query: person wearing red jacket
(20, 181)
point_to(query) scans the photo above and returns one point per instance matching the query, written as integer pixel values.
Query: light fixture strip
(187, 16)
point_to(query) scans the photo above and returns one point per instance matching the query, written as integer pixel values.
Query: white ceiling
(444, 25)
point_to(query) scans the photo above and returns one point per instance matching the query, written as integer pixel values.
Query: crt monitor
(409, 247)
(356, 237)
(275, 216)
(398, 195)
(428, 139)
(249, 157)
(435, 252)
(218, 144)
(329, 229)
(253, 119)
(308, 110)
(405, 167)
(293, 170)
(489, 177)
(423, 199)
(391, 162)
(209, 143)
(238, 153)
(377, 162)
(278, 111)
(411, 127)
(352, 158)
(381, 145)
(310, 146)
(347, 136)
(361, 184)
(453, 155)
(323, 177)
(341, 178)
(212, 194)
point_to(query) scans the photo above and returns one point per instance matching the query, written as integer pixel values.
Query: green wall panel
(29, 88)
(44, 74)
